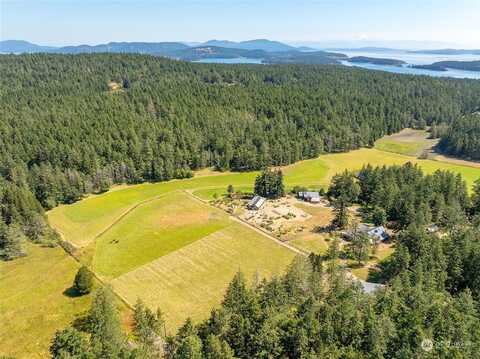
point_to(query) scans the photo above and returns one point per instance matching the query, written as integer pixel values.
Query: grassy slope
(153, 230)
(193, 279)
(32, 303)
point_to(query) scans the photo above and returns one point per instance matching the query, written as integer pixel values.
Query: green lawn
(152, 230)
(32, 301)
(192, 280)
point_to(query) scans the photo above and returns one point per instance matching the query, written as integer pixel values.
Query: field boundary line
(256, 229)
(130, 210)
(286, 245)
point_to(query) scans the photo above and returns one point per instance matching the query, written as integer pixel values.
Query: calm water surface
(409, 58)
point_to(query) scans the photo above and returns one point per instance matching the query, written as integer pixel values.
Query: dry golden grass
(33, 304)
(192, 280)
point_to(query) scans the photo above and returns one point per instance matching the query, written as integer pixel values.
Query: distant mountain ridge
(19, 46)
(155, 48)
(259, 44)
(271, 52)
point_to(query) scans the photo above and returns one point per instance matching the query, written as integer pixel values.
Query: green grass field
(192, 280)
(407, 142)
(160, 227)
(32, 301)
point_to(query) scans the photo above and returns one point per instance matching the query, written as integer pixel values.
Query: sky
(412, 23)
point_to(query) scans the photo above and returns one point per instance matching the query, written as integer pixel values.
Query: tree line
(463, 137)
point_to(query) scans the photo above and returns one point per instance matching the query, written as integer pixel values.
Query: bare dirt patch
(277, 216)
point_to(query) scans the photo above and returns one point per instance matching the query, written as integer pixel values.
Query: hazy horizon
(323, 23)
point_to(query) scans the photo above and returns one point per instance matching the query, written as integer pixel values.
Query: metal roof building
(256, 202)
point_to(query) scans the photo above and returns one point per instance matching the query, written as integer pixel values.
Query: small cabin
(256, 203)
(313, 197)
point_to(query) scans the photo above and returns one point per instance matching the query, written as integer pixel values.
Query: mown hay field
(153, 230)
(81, 222)
(192, 280)
(32, 303)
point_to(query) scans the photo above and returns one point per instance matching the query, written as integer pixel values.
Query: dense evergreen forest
(429, 307)
(64, 132)
(463, 137)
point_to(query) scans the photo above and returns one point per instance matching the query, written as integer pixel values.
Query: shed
(256, 203)
(313, 197)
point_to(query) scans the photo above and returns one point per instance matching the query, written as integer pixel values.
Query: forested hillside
(463, 137)
(64, 132)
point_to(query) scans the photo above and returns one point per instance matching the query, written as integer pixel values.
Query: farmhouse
(313, 197)
(256, 203)
(377, 233)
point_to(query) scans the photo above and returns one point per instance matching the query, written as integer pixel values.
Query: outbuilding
(313, 197)
(256, 203)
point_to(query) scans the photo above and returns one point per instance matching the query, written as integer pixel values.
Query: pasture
(192, 280)
(152, 230)
(35, 302)
(80, 223)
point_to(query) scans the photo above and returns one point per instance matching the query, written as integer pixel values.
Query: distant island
(376, 61)
(445, 65)
(447, 52)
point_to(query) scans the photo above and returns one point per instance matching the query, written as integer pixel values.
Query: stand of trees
(407, 196)
(313, 311)
(64, 133)
(463, 137)
(269, 184)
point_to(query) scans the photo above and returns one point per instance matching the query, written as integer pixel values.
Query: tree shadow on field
(71, 292)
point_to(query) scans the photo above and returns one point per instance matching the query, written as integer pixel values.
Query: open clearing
(152, 230)
(408, 142)
(32, 301)
(193, 279)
